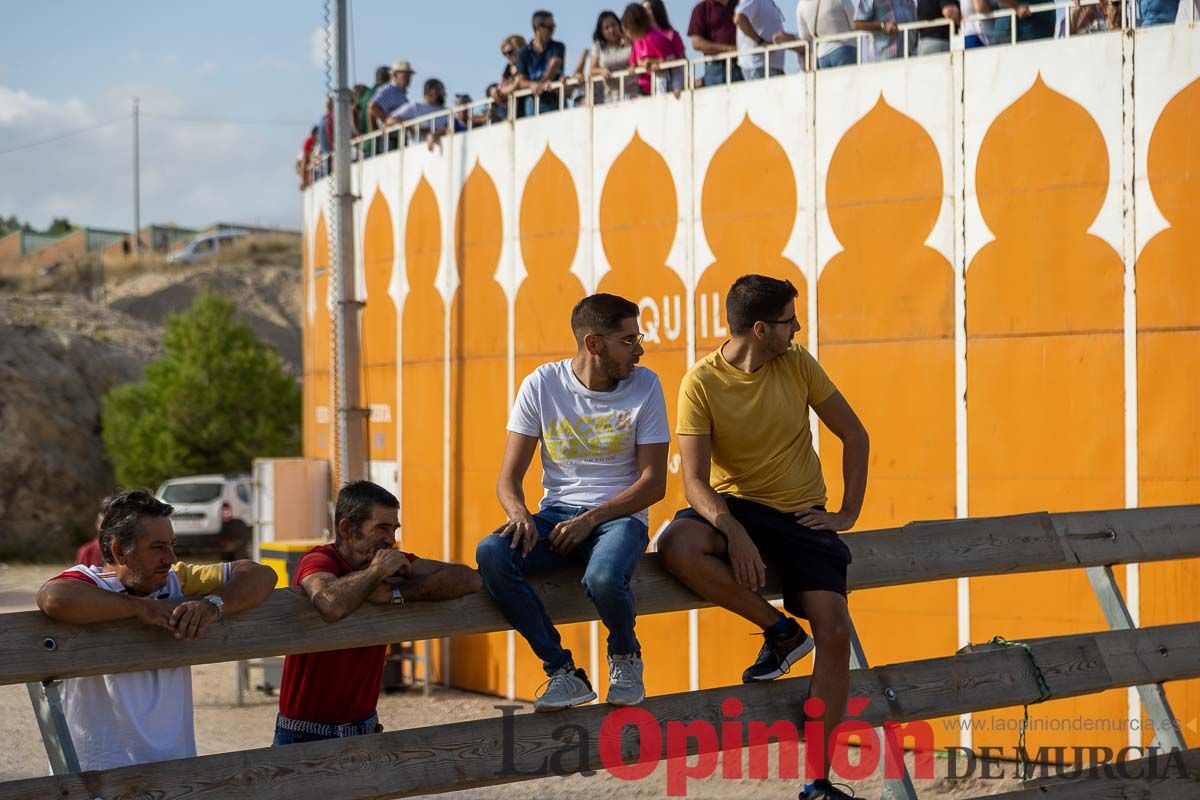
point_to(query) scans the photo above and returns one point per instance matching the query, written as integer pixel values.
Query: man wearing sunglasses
(757, 496)
(540, 63)
(602, 424)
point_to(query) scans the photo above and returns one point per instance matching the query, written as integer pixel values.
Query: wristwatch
(397, 598)
(219, 603)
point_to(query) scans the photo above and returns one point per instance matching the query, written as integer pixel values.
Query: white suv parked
(213, 513)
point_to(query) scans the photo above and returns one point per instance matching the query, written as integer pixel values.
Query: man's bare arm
(518, 454)
(85, 603)
(334, 597)
(436, 580)
(841, 420)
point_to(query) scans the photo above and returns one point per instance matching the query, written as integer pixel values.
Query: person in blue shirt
(540, 63)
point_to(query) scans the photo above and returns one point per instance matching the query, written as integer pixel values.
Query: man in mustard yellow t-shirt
(757, 497)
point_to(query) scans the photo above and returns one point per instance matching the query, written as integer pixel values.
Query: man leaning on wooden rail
(138, 717)
(757, 495)
(334, 694)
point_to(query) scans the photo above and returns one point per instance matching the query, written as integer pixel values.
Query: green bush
(215, 400)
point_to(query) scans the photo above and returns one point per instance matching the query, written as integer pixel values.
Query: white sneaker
(625, 684)
(566, 688)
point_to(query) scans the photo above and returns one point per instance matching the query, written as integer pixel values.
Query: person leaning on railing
(882, 18)
(540, 63)
(713, 33)
(651, 47)
(509, 78)
(139, 717)
(828, 18)
(609, 54)
(362, 109)
(334, 694)
(936, 39)
(760, 23)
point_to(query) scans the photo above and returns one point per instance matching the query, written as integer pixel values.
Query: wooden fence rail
(1174, 776)
(36, 648)
(475, 754)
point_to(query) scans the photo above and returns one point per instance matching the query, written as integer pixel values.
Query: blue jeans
(1156, 12)
(841, 57)
(611, 553)
(714, 72)
(283, 737)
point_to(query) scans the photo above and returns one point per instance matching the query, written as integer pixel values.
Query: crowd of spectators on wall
(639, 52)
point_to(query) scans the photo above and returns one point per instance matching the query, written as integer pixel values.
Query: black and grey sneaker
(566, 688)
(822, 789)
(778, 653)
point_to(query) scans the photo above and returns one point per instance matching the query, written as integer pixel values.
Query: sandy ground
(223, 726)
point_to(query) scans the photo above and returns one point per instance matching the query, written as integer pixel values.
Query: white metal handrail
(381, 137)
(856, 36)
(904, 28)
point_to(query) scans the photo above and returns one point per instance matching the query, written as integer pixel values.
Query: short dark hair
(434, 83)
(383, 74)
(357, 500)
(636, 20)
(601, 313)
(539, 18)
(756, 297)
(121, 519)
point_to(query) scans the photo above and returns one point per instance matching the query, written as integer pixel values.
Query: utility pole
(351, 415)
(136, 244)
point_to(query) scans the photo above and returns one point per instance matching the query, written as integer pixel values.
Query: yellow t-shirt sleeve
(693, 416)
(199, 579)
(820, 387)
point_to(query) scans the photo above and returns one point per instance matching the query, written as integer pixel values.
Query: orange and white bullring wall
(998, 259)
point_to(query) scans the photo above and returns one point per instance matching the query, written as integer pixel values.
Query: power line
(225, 121)
(61, 136)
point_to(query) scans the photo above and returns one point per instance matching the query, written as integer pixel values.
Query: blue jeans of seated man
(611, 554)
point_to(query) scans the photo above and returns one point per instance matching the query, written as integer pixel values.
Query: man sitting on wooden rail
(757, 495)
(137, 717)
(602, 422)
(333, 694)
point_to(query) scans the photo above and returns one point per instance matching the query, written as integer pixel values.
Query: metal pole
(348, 310)
(137, 180)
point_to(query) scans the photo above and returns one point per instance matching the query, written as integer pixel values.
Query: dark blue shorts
(803, 559)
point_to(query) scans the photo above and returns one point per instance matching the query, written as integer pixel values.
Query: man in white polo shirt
(137, 717)
(602, 424)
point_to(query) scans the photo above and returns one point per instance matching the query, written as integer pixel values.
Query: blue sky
(75, 64)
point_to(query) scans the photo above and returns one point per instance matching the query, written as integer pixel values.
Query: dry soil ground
(223, 726)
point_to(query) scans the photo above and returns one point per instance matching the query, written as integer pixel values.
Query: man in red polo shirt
(333, 694)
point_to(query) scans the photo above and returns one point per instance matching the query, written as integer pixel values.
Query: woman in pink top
(651, 47)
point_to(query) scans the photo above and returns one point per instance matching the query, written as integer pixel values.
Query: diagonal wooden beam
(473, 754)
(36, 648)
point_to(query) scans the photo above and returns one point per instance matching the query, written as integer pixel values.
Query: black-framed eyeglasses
(789, 321)
(507, 53)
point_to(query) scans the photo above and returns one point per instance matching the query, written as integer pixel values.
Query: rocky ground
(60, 352)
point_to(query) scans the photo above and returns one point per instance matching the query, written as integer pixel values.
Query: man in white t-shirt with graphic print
(138, 717)
(602, 424)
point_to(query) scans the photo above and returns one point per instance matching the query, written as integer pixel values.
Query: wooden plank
(286, 622)
(1161, 777)
(473, 754)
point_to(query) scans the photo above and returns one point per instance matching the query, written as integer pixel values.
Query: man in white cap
(392, 95)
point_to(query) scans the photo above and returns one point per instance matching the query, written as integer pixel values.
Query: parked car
(213, 513)
(205, 246)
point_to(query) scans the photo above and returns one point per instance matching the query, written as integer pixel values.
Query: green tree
(60, 225)
(217, 398)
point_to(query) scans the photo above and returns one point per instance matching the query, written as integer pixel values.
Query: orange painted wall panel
(322, 417)
(379, 330)
(638, 218)
(479, 404)
(1045, 372)
(1168, 343)
(549, 237)
(886, 338)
